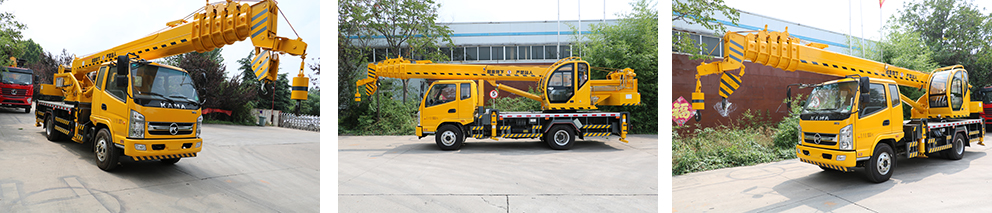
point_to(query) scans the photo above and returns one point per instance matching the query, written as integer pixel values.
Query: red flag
(880, 3)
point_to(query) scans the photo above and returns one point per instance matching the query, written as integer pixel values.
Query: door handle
(103, 106)
(885, 123)
(451, 110)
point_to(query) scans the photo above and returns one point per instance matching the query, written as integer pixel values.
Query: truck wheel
(50, 132)
(560, 137)
(27, 109)
(449, 137)
(957, 148)
(106, 152)
(879, 168)
(170, 161)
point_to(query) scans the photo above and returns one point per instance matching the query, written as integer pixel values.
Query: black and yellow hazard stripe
(595, 134)
(913, 149)
(941, 148)
(633, 104)
(479, 136)
(736, 51)
(838, 168)
(260, 25)
(504, 128)
(478, 128)
(522, 135)
(596, 126)
(61, 120)
(536, 127)
(160, 157)
(729, 84)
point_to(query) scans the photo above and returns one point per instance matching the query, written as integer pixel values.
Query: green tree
(11, 43)
(32, 52)
(631, 42)
(699, 12)
(957, 32)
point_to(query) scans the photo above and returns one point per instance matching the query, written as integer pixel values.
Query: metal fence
(304, 122)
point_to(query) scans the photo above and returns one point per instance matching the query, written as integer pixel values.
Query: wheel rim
(959, 145)
(448, 138)
(884, 163)
(561, 137)
(48, 126)
(101, 149)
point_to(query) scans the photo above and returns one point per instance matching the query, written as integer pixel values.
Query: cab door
(466, 105)
(439, 105)
(896, 112)
(874, 118)
(110, 104)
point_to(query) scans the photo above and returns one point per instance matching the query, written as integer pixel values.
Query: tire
(50, 132)
(27, 109)
(957, 148)
(449, 137)
(560, 137)
(170, 161)
(882, 163)
(105, 153)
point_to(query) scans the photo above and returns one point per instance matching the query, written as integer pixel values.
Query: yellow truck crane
(453, 107)
(128, 106)
(857, 121)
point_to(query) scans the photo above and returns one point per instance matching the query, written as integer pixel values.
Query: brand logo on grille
(174, 129)
(816, 138)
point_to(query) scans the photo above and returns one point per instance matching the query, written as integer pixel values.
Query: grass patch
(747, 142)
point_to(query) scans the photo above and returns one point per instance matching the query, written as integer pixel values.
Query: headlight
(137, 125)
(846, 137)
(199, 121)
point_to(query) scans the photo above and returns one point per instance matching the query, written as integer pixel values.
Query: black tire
(27, 109)
(560, 137)
(449, 137)
(105, 152)
(170, 161)
(881, 165)
(50, 132)
(956, 152)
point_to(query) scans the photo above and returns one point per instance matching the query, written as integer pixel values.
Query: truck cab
(844, 122)
(447, 101)
(159, 104)
(16, 88)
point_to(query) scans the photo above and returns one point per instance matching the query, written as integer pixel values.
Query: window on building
(380, 54)
(498, 53)
(566, 51)
(537, 52)
(447, 52)
(551, 52)
(712, 46)
(471, 53)
(485, 53)
(458, 54)
(511, 52)
(522, 52)
(695, 39)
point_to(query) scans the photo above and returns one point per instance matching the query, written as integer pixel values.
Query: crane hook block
(300, 84)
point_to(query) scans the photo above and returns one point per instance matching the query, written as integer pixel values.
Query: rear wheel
(449, 137)
(957, 148)
(106, 153)
(50, 132)
(560, 137)
(881, 164)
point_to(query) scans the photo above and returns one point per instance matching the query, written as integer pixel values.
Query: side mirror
(863, 88)
(123, 65)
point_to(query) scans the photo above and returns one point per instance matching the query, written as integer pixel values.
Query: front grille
(988, 111)
(825, 139)
(165, 128)
(15, 92)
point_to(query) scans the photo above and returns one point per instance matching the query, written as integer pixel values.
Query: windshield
(9, 77)
(832, 98)
(172, 86)
(987, 97)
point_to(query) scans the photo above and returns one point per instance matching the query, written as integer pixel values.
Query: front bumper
(20, 102)
(156, 149)
(827, 157)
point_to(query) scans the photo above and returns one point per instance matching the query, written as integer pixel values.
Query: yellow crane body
(128, 106)
(857, 120)
(453, 107)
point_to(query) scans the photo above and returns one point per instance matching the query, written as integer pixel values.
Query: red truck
(985, 94)
(16, 88)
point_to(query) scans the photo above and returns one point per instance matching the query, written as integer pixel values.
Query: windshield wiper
(187, 99)
(159, 95)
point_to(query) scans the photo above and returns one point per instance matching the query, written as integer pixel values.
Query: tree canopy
(11, 43)
(700, 12)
